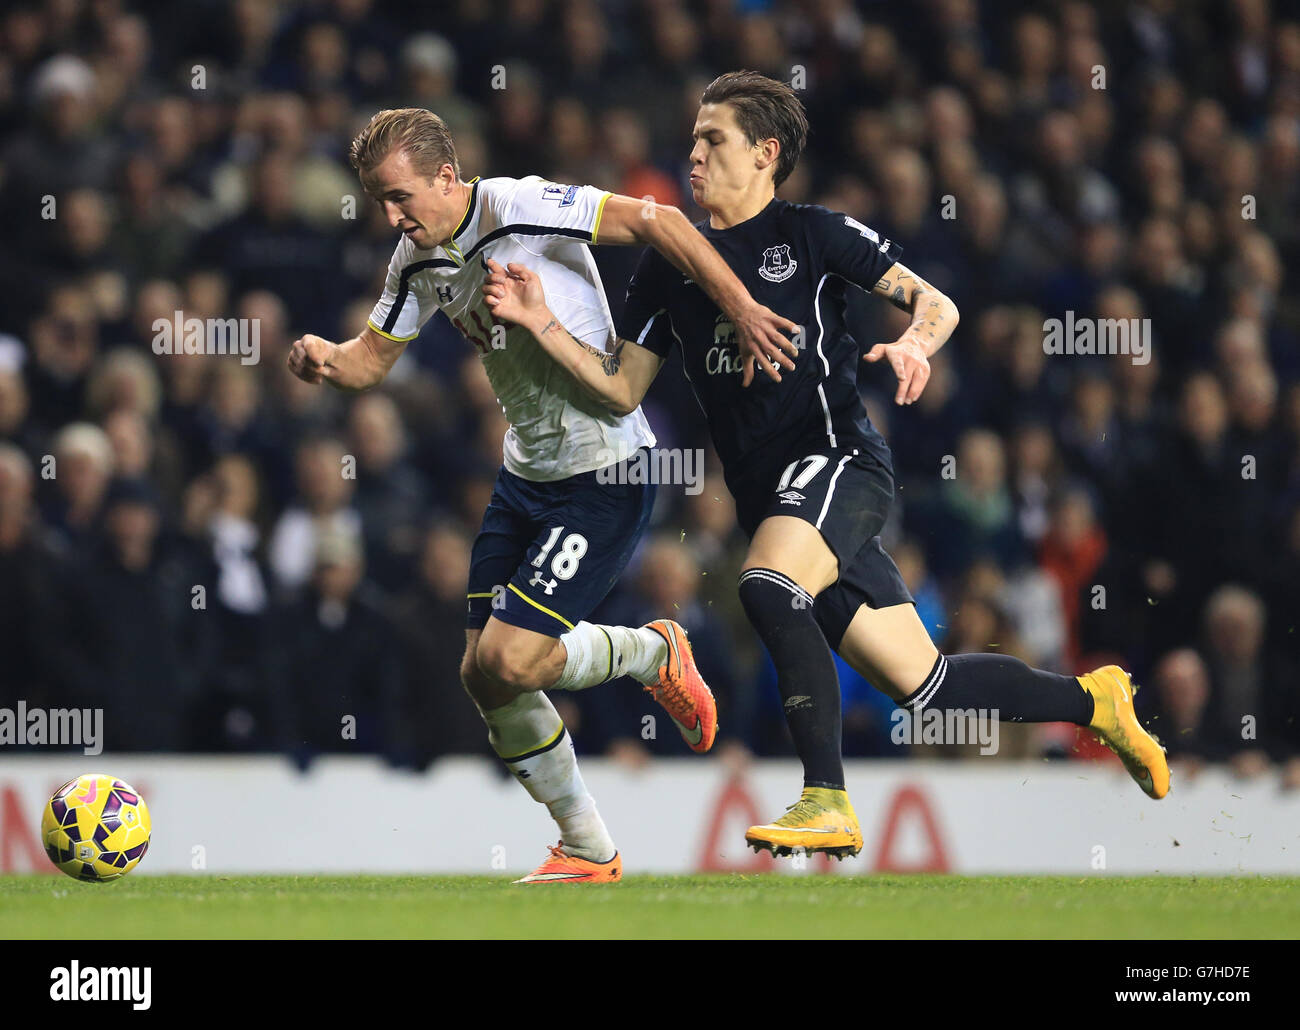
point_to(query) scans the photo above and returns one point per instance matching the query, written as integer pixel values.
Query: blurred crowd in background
(178, 544)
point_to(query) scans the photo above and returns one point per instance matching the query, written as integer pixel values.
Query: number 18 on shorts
(548, 553)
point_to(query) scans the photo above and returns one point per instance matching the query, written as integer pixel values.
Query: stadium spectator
(1070, 553)
(435, 716)
(83, 467)
(339, 674)
(29, 594)
(1252, 707)
(140, 648)
(323, 507)
(972, 514)
(391, 498)
(1183, 690)
(15, 409)
(270, 246)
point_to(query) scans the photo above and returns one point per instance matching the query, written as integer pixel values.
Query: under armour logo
(444, 295)
(548, 585)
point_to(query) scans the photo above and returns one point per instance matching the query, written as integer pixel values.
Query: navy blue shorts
(548, 553)
(846, 494)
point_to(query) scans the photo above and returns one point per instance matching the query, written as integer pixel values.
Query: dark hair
(765, 109)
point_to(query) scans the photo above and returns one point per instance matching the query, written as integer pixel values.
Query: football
(96, 828)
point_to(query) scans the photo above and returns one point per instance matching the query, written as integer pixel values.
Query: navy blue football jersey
(798, 260)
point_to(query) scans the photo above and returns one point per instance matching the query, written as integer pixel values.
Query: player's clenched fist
(309, 358)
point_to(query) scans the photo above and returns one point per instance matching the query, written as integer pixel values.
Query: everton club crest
(777, 264)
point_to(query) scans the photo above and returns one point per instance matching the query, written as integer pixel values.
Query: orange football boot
(682, 690)
(562, 868)
(1117, 723)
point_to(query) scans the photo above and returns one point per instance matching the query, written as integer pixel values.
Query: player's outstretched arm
(353, 365)
(934, 319)
(618, 379)
(760, 331)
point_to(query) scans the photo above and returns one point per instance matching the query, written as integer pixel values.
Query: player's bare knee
(486, 692)
(508, 665)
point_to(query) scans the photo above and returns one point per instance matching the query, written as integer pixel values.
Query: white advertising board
(244, 815)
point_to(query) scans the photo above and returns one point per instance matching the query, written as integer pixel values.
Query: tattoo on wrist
(548, 327)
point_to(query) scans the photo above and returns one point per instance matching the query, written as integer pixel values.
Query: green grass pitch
(734, 906)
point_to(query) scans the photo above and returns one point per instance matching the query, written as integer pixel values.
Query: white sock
(596, 654)
(581, 827)
(530, 737)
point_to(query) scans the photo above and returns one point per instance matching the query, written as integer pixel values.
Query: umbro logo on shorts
(792, 497)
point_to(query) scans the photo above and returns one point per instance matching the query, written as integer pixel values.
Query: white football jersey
(556, 429)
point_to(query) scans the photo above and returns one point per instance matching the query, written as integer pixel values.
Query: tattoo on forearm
(610, 361)
(895, 294)
(922, 320)
(925, 305)
(932, 314)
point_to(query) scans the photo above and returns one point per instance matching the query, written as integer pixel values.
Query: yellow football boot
(821, 820)
(1116, 722)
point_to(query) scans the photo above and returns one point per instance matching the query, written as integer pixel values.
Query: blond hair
(87, 439)
(421, 134)
(124, 368)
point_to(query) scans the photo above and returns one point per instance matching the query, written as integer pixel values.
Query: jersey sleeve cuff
(389, 336)
(600, 210)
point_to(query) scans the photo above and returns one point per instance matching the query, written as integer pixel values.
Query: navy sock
(1018, 692)
(782, 613)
